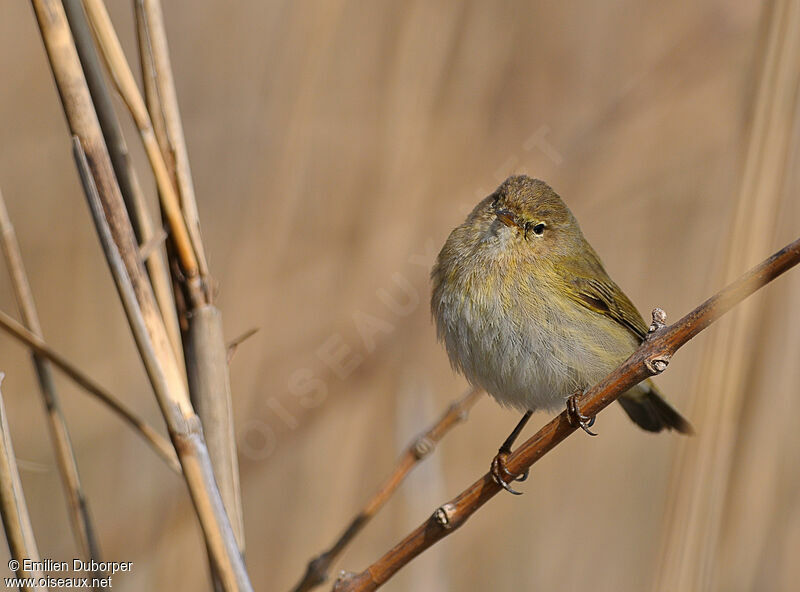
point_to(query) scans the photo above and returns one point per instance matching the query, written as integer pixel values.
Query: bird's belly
(531, 365)
(522, 371)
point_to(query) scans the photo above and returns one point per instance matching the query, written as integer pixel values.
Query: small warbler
(528, 313)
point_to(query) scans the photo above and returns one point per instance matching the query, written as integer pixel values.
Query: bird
(528, 313)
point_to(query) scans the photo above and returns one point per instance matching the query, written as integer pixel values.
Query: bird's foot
(500, 472)
(576, 418)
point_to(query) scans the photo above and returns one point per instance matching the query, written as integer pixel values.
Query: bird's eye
(538, 229)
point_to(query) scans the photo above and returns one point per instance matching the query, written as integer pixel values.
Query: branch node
(658, 364)
(344, 580)
(422, 447)
(151, 245)
(443, 516)
(463, 412)
(659, 322)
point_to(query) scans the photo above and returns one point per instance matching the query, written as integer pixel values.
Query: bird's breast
(520, 339)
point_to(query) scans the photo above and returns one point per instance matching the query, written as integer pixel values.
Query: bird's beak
(506, 217)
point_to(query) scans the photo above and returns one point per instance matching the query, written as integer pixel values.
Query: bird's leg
(499, 461)
(575, 417)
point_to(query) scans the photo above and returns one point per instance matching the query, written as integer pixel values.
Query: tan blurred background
(334, 145)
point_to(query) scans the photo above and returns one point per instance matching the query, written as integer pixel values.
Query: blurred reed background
(334, 145)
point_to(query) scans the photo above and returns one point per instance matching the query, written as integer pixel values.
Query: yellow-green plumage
(527, 311)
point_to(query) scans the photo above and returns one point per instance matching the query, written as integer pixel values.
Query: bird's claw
(499, 470)
(576, 418)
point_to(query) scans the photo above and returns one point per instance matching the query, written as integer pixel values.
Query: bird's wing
(588, 284)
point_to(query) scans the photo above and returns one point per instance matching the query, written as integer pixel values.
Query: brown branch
(77, 504)
(157, 442)
(652, 357)
(421, 447)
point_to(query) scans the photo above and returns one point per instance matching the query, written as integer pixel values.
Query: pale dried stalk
(13, 509)
(123, 78)
(689, 555)
(318, 568)
(183, 423)
(209, 385)
(118, 241)
(117, 148)
(77, 504)
(152, 23)
(126, 175)
(157, 442)
(151, 93)
(206, 365)
(206, 359)
(651, 357)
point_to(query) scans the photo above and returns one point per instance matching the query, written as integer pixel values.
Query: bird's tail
(648, 409)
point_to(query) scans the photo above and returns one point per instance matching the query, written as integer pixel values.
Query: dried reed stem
(123, 79)
(652, 357)
(126, 175)
(157, 442)
(206, 358)
(77, 504)
(209, 385)
(13, 509)
(183, 424)
(318, 568)
(119, 244)
(151, 92)
(152, 23)
(693, 523)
